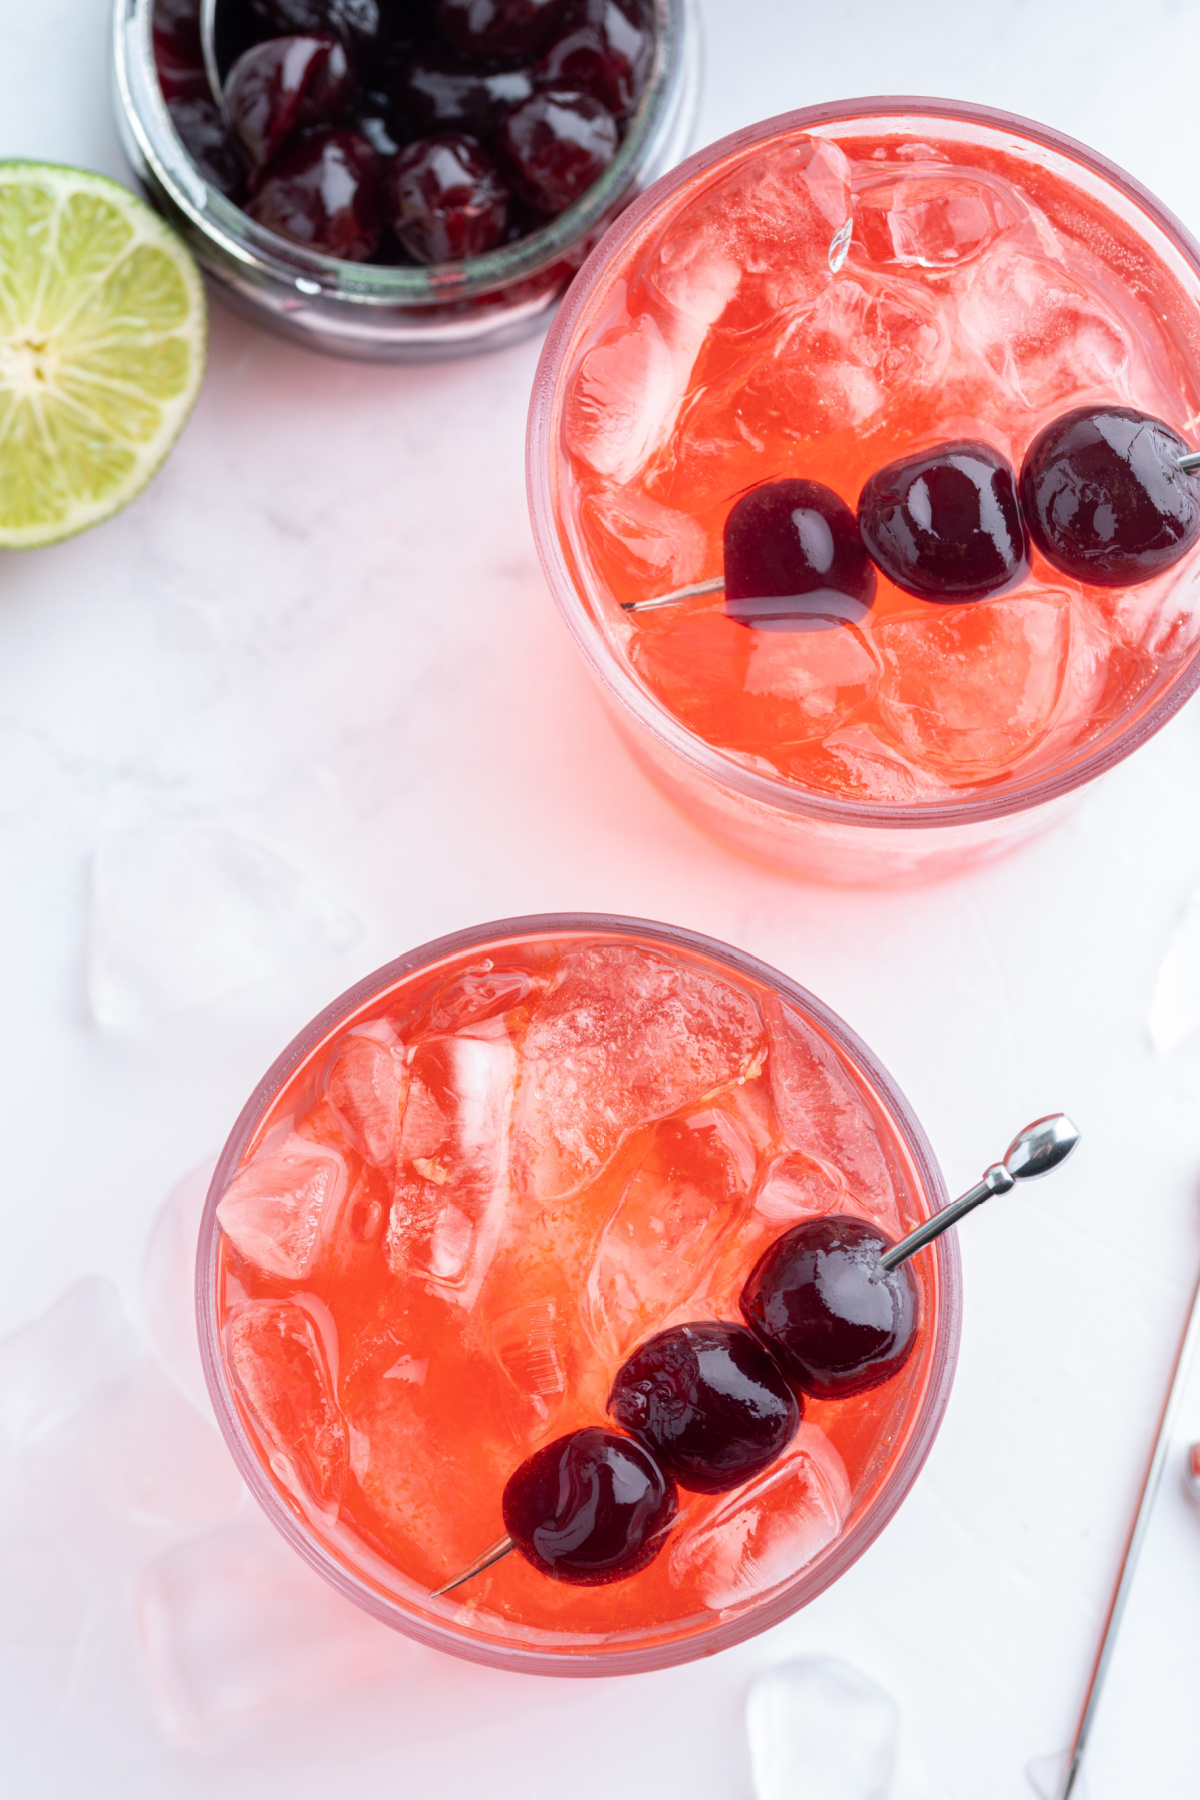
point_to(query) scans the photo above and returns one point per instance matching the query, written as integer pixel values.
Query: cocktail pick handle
(1033, 1152)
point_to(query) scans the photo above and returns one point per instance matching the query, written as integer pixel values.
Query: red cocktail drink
(818, 300)
(462, 1201)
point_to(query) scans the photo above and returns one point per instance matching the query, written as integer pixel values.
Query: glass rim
(654, 718)
(240, 239)
(780, 1602)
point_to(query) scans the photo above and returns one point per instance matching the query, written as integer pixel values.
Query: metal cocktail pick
(713, 586)
(1033, 1152)
(716, 583)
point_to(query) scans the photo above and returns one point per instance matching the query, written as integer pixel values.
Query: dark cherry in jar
(944, 524)
(495, 28)
(608, 52)
(448, 201)
(206, 139)
(833, 1323)
(435, 92)
(362, 23)
(709, 1402)
(556, 146)
(283, 85)
(1105, 499)
(794, 560)
(325, 191)
(590, 1507)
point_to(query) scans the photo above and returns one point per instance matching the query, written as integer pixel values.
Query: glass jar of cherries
(401, 180)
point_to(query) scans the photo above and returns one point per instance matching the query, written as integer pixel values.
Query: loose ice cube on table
(235, 1627)
(451, 1186)
(274, 1208)
(769, 1530)
(52, 1370)
(182, 915)
(821, 1730)
(975, 688)
(823, 1114)
(627, 1037)
(280, 1369)
(664, 1235)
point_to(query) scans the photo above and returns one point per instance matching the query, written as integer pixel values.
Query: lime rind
(103, 335)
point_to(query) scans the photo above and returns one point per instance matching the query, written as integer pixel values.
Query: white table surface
(323, 628)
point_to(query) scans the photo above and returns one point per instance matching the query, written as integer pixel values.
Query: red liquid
(476, 1197)
(811, 309)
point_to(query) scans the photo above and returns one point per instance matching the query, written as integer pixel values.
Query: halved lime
(102, 342)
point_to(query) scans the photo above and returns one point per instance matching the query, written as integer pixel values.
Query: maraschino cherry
(817, 1299)
(589, 1508)
(1105, 498)
(557, 145)
(284, 85)
(496, 28)
(944, 524)
(794, 559)
(710, 1403)
(448, 201)
(326, 191)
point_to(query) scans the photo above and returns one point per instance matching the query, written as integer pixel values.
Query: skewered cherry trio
(1106, 494)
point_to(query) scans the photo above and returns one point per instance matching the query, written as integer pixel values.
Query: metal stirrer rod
(1137, 1534)
(1033, 1152)
(1190, 461)
(499, 1549)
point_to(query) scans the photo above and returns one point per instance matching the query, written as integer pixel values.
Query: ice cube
(624, 399)
(931, 220)
(627, 1037)
(861, 347)
(44, 1602)
(52, 1370)
(277, 1357)
(834, 364)
(366, 1083)
(274, 1208)
(1175, 1005)
(769, 1530)
(169, 1283)
(659, 546)
(800, 1187)
(820, 1729)
(528, 1344)
(479, 993)
(666, 1230)
(234, 1628)
(183, 915)
(1041, 331)
(451, 1187)
(154, 1460)
(973, 690)
(824, 1115)
(759, 239)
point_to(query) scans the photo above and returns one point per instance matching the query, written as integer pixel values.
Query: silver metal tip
(1041, 1147)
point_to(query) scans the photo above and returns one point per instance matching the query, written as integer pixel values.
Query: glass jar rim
(780, 1603)
(242, 240)
(775, 791)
